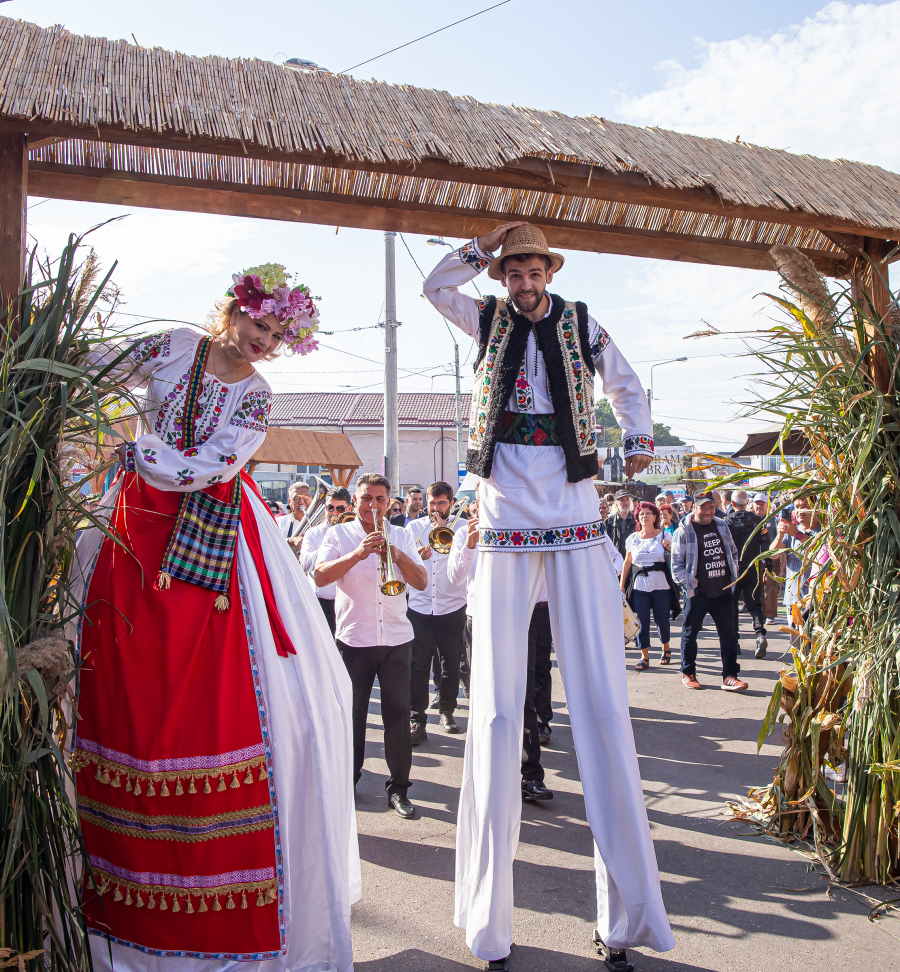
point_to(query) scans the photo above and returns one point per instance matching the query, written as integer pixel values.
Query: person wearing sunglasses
(337, 502)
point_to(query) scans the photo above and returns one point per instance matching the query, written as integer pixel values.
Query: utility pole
(391, 420)
(459, 429)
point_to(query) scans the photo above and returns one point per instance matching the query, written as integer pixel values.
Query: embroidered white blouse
(528, 503)
(231, 422)
(643, 554)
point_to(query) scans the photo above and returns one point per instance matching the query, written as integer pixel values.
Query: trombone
(315, 515)
(391, 585)
(441, 538)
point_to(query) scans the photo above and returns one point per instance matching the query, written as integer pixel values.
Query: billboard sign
(670, 465)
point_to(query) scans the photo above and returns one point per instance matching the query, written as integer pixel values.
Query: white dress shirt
(289, 524)
(365, 617)
(441, 596)
(309, 552)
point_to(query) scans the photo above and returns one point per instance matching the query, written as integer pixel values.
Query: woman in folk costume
(532, 441)
(213, 750)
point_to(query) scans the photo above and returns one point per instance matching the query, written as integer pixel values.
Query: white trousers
(586, 620)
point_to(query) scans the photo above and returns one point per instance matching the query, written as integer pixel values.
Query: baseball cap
(623, 492)
(760, 498)
(704, 498)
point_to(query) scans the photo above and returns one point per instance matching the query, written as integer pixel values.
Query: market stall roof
(763, 442)
(108, 121)
(333, 450)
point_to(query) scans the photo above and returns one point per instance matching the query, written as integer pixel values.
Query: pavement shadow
(413, 960)
(410, 857)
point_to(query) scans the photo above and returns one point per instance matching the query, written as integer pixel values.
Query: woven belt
(526, 428)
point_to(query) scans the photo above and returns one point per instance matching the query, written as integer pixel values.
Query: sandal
(642, 665)
(666, 657)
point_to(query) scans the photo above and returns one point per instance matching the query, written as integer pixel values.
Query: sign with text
(670, 465)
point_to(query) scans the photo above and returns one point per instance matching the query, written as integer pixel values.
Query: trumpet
(346, 517)
(391, 585)
(440, 538)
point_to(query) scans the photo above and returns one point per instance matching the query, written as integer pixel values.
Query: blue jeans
(721, 610)
(642, 602)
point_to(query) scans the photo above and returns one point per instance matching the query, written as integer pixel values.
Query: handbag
(632, 622)
(202, 546)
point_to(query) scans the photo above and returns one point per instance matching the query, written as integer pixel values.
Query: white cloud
(821, 87)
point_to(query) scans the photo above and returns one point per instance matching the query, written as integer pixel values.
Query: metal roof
(306, 410)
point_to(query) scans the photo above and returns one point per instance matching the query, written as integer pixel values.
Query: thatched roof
(372, 154)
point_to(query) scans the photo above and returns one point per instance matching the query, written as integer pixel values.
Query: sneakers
(733, 684)
(448, 723)
(761, 646)
(435, 702)
(690, 681)
(418, 733)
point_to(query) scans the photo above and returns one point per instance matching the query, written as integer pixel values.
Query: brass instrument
(347, 517)
(391, 585)
(441, 538)
(315, 515)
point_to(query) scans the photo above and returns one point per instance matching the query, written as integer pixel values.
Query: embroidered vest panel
(562, 338)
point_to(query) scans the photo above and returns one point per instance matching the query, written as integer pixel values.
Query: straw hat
(524, 239)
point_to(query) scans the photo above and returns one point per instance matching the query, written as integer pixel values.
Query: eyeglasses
(336, 509)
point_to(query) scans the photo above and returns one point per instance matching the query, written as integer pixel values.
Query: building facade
(427, 431)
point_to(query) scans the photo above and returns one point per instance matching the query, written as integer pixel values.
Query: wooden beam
(569, 178)
(13, 207)
(868, 283)
(163, 192)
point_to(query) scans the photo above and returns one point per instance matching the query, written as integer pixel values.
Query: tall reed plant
(54, 410)
(839, 700)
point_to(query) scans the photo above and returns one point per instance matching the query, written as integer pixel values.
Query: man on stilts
(532, 441)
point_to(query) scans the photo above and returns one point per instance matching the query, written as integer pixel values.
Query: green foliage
(840, 698)
(663, 436)
(610, 434)
(54, 410)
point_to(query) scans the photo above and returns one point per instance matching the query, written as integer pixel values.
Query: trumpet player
(337, 503)
(373, 633)
(438, 617)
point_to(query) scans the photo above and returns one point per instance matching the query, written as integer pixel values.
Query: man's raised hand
(489, 243)
(636, 464)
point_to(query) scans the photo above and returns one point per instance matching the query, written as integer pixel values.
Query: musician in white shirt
(299, 500)
(438, 616)
(338, 501)
(373, 633)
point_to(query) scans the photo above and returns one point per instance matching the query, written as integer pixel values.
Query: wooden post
(13, 207)
(869, 290)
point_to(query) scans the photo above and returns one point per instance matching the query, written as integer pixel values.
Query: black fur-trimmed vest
(562, 339)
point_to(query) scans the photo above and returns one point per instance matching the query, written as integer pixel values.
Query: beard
(529, 300)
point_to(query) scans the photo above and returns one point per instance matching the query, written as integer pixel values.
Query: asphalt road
(736, 903)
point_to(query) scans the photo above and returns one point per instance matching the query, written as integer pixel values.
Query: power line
(438, 31)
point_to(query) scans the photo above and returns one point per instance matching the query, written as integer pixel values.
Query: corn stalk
(53, 411)
(839, 701)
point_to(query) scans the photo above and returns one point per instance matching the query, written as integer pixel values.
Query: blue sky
(782, 74)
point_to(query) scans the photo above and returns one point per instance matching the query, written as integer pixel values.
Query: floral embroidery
(531, 428)
(253, 412)
(190, 453)
(638, 445)
(598, 345)
(581, 385)
(542, 538)
(209, 410)
(155, 346)
(129, 465)
(493, 353)
(185, 477)
(213, 479)
(149, 455)
(469, 254)
(228, 460)
(524, 392)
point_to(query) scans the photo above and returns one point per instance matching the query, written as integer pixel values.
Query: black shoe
(448, 723)
(435, 702)
(418, 733)
(544, 735)
(498, 965)
(761, 646)
(534, 790)
(402, 806)
(614, 959)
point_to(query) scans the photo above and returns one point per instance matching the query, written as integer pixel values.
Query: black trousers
(442, 633)
(465, 663)
(749, 589)
(327, 606)
(531, 742)
(539, 632)
(721, 610)
(390, 664)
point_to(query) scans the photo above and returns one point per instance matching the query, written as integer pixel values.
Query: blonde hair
(219, 321)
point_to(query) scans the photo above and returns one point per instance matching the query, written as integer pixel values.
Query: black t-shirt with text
(713, 572)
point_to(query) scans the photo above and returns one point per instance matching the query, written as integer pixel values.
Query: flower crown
(264, 290)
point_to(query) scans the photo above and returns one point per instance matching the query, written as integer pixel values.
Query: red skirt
(175, 784)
